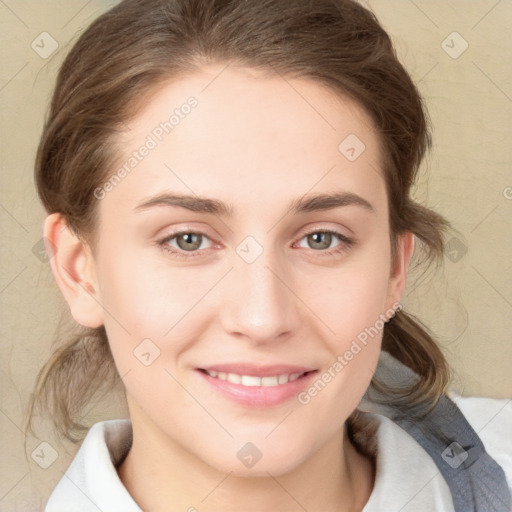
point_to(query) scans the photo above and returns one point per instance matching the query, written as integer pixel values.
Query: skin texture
(256, 142)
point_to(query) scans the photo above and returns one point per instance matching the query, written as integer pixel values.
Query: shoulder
(491, 419)
(91, 482)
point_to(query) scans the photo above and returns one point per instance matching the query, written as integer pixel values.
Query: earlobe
(73, 267)
(400, 267)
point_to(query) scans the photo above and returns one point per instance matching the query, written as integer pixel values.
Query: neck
(158, 472)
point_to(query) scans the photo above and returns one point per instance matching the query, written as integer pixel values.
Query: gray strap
(477, 483)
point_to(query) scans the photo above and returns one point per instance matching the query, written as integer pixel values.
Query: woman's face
(247, 245)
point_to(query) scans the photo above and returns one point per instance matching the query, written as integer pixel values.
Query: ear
(73, 267)
(399, 269)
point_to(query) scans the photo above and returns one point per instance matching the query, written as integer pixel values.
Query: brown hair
(127, 51)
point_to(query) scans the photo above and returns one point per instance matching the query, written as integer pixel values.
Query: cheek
(147, 300)
(351, 308)
(147, 291)
(350, 298)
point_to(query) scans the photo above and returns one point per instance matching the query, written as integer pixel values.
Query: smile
(255, 386)
(253, 381)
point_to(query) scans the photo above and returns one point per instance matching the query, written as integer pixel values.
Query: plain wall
(467, 178)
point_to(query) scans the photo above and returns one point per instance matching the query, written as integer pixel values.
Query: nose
(261, 306)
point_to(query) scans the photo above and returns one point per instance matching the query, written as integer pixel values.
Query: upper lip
(257, 370)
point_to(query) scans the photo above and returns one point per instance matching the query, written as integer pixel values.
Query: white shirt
(407, 479)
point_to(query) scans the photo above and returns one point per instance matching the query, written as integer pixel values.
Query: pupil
(315, 238)
(189, 241)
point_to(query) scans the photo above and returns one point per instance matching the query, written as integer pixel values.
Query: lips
(257, 385)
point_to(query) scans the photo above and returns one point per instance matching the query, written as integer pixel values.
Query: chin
(247, 460)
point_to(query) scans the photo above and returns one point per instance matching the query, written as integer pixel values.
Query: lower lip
(259, 396)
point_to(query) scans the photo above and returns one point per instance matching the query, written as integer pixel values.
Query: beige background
(467, 303)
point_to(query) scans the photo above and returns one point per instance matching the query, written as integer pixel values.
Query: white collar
(91, 483)
(407, 479)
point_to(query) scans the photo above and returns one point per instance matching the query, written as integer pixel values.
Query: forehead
(234, 132)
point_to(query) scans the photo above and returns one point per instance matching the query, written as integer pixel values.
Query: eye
(185, 242)
(192, 243)
(326, 241)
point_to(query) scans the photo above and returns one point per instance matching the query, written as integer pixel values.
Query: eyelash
(344, 245)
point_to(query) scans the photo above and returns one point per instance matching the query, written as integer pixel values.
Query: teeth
(283, 379)
(269, 381)
(251, 380)
(233, 378)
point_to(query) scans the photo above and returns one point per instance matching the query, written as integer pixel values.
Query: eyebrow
(304, 204)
